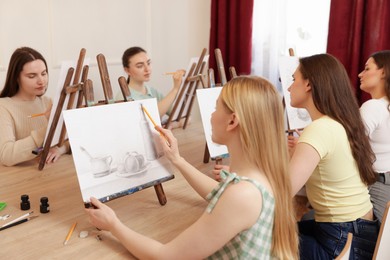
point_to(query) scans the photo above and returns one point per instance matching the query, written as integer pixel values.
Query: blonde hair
(259, 110)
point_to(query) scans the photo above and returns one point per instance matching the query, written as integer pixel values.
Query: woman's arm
(208, 234)
(14, 151)
(302, 164)
(165, 104)
(199, 181)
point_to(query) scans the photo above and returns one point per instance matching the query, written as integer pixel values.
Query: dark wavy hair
(382, 60)
(333, 96)
(19, 58)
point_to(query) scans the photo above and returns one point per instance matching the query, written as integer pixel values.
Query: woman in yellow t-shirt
(333, 159)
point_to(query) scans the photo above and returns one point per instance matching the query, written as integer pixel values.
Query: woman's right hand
(292, 142)
(178, 78)
(169, 144)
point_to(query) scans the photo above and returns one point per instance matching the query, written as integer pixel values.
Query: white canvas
(297, 117)
(115, 148)
(207, 99)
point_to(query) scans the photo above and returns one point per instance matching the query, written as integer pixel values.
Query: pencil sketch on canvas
(297, 117)
(115, 149)
(207, 99)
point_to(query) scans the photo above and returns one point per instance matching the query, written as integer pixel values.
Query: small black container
(25, 204)
(44, 205)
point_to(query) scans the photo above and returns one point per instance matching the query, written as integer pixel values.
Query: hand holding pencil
(177, 77)
(46, 113)
(155, 125)
(171, 151)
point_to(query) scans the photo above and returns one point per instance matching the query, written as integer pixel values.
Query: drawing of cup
(101, 166)
(134, 162)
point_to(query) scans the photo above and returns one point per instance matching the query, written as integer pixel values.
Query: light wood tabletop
(43, 236)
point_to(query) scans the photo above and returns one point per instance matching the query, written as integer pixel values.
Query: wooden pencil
(36, 115)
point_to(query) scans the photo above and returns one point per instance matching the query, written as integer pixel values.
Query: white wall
(172, 31)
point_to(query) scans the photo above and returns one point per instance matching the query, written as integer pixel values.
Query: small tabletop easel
(222, 76)
(300, 201)
(289, 131)
(105, 78)
(125, 89)
(71, 90)
(191, 83)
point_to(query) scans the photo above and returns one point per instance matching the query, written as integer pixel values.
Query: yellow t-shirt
(335, 189)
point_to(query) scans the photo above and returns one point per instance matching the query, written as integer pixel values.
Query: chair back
(382, 248)
(344, 255)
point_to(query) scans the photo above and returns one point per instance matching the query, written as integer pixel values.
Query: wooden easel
(125, 89)
(289, 131)
(191, 83)
(300, 202)
(222, 76)
(104, 76)
(71, 90)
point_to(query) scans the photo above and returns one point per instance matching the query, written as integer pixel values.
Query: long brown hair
(382, 60)
(259, 109)
(333, 96)
(19, 58)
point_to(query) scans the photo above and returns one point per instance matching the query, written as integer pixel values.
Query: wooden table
(43, 237)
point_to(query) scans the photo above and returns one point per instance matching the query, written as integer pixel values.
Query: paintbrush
(17, 219)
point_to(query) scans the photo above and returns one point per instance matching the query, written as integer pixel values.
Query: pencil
(36, 115)
(17, 219)
(154, 124)
(169, 73)
(70, 233)
(18, 222)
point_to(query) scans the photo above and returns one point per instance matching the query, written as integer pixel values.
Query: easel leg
(206, 156)
(160, 194)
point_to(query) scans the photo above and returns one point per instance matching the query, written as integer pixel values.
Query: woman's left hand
(55, 153)
(102, 216)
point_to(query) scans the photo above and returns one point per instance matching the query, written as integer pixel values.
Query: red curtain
(231, 32)
(357, 28)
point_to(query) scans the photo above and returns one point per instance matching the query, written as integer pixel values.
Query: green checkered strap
(255, 242)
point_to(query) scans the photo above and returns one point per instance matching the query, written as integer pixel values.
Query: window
(282, 24)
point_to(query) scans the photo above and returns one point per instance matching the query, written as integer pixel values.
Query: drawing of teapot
(100, 166)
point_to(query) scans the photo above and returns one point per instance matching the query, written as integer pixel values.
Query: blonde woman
(250, 214)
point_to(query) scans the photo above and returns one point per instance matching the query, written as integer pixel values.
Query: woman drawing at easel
(137, 65)
(249, 212)
(24, 111)
(333, 158)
